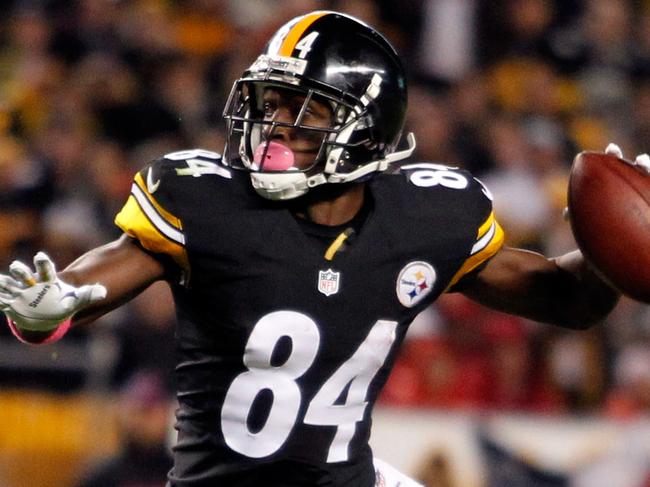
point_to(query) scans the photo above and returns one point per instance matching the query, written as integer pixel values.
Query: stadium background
(510, 89)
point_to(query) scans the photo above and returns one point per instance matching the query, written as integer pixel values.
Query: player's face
(287, 106)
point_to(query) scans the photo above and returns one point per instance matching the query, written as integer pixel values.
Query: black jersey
(283, 348)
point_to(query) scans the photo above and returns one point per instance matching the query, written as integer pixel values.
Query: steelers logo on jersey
(414, 282)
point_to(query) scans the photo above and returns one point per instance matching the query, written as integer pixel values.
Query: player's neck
(336, 210)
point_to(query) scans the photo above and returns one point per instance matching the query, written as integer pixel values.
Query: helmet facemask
(248, 117)
(254, 145)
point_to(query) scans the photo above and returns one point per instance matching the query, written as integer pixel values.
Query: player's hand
(40, 301)
(641, 162)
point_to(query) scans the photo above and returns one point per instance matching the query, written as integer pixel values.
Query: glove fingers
(22, 273)
(9, 286)
(643, 162)
(5, 301)
(614, 150)
(44, 267)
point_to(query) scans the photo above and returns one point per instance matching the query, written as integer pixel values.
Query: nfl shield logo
(328, 282)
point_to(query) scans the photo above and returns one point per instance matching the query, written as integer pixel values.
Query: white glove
(641, 162)
(41, 301)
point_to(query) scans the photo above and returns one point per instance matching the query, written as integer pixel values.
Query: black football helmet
(341, 62)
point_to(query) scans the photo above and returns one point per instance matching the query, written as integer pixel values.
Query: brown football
(609, 210)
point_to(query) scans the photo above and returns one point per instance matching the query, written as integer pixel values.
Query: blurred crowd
(91, 90)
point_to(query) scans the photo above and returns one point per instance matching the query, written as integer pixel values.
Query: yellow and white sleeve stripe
(155, 228)
(489, 240)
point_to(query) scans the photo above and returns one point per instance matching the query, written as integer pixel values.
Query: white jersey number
(357, 372)
(261, 375)
(428, 174)
(199, 162)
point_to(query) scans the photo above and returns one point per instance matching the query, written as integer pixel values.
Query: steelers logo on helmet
(323, 61)
(414, 282)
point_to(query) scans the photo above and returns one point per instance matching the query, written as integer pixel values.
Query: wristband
(56, 334)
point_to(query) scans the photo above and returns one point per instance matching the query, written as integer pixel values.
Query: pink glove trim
(57, 334)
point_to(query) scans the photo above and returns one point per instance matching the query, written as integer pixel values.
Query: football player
(297, 262)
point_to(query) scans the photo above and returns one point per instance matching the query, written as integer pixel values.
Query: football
(609, 211)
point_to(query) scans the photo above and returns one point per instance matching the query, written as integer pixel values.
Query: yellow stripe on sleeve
(289, 43)
(133, 221)
(486, 226)
(486, 249)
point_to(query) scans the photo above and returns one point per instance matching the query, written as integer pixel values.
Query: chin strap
(289, 185)
(376, 166)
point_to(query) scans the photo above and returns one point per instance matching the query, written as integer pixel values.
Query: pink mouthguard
(278, 156)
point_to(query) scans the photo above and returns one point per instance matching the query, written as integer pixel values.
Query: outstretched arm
(564, 291)
(121, 266)
(41, 304)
